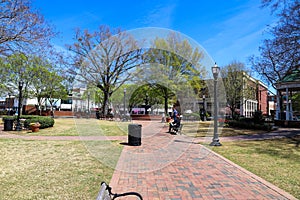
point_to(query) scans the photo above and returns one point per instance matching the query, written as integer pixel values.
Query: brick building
(255, 97)
(262, 98)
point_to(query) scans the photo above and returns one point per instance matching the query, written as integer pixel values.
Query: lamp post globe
(215, 70)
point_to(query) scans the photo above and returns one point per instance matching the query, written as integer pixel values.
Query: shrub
(43, 120)
(246, 124)
(9, 117)
(3, 112)
(258, 117)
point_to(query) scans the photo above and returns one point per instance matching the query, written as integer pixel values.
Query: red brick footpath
(175, 167)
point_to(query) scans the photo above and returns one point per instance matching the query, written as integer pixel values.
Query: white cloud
(161, 16)
(239, 36)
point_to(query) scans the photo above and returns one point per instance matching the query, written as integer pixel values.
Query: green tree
(296, 102)
(39, 81)
(39, 78)
(146, 94)
(46, 83)
(155, 76)
(175, 65)
(15, 69)
(54, 89)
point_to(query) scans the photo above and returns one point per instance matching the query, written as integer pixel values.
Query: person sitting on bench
(176, 120)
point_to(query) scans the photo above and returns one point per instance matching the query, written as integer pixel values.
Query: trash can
(8, 124)
(135, 134)
(97, 114)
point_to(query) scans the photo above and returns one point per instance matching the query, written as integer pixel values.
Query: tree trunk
(232, 112)
(105, 103)
(40, 110)
(166, 105)
(40, 106)
(51, 110)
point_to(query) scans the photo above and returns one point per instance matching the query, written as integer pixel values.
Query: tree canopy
(104, 59)
(22, 28)
(39, 77)
(173, 67)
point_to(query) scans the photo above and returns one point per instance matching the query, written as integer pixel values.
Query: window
(66, 101)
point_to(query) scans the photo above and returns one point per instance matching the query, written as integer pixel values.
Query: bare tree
(236, 86)
(275, 5)
(105, 59)
(280, 54)
(21, 27)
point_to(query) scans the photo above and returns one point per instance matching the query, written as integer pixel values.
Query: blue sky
(228, 29)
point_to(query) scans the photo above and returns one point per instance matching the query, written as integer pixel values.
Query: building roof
(292, 77)
(291, 80)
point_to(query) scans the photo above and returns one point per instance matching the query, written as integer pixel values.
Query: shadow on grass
(294, 140)
(285, 148)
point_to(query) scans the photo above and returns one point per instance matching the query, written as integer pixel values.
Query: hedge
(43, 120)
(249, 125)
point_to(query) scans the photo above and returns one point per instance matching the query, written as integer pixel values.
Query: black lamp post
(215, 141)
(204, 109)
(124, 113)
(88, 106)
(9, 104)
(19, 126)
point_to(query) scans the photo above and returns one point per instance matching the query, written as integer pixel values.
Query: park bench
(177, 129)
(109, 117)
(105, 193)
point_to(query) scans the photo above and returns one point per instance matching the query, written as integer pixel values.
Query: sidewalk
(176, 167)
(57, 138)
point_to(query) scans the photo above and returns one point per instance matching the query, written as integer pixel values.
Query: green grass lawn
(83, 127)
(94, 127)
(59, 169)
(202, 129)
(277, 161)
(49, 170)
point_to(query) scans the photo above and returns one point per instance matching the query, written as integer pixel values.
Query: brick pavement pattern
(175, 167)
